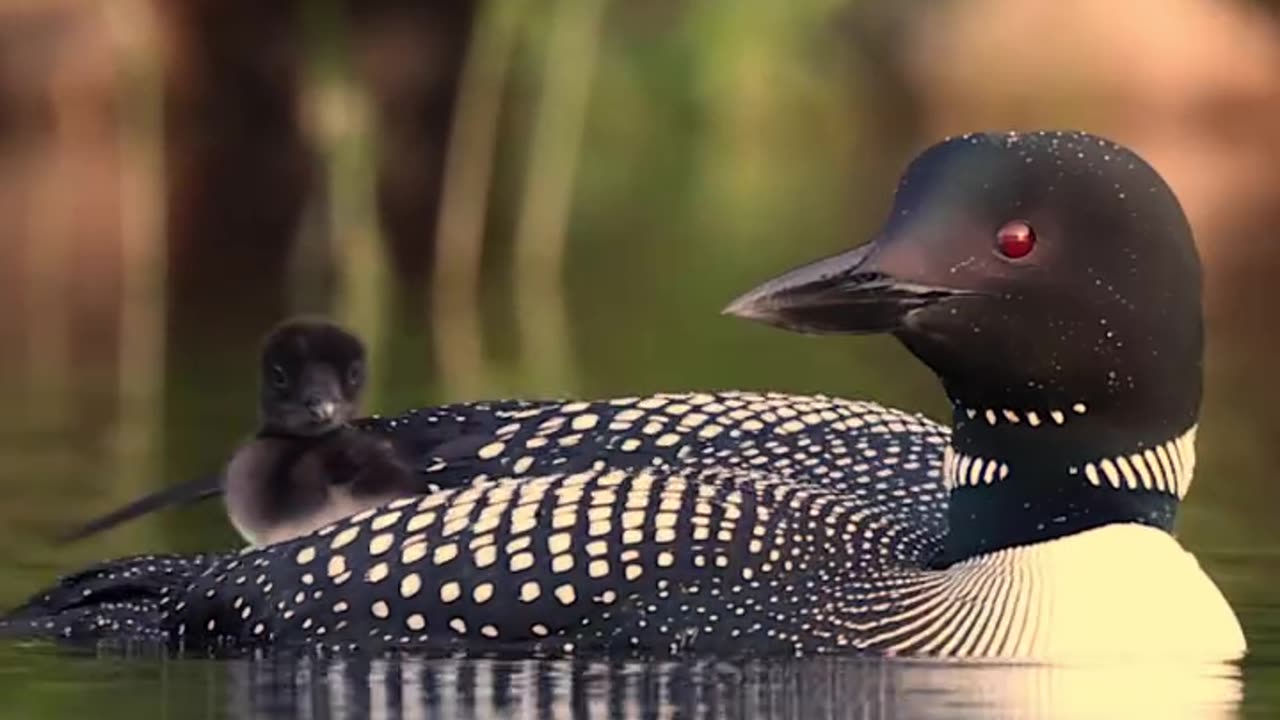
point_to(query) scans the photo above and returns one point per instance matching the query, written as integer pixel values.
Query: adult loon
(306, 466)
(1050, 281)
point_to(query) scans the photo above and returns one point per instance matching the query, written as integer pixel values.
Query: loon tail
(127, 599)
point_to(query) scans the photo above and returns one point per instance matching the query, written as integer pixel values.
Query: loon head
(1051, 282)
(312, 378)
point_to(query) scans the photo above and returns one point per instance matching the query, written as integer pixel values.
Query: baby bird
(305, 467)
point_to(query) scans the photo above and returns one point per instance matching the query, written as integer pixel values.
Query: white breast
(1113, 592)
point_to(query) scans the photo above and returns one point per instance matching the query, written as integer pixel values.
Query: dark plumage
(1049, 280)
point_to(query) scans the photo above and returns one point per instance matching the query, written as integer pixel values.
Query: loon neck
(1018, 477)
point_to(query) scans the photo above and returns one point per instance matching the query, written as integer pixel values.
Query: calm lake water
(40, 684)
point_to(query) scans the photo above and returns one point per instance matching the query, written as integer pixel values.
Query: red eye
(1015, 239)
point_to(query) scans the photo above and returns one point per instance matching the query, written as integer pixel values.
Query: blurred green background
(555, 198)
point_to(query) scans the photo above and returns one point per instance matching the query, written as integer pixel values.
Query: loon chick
(306, 466)
(1049, 280)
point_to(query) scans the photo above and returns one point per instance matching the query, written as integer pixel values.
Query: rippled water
(411, 687)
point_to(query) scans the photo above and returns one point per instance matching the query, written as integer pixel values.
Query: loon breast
(1113, 592)
(1107, 591)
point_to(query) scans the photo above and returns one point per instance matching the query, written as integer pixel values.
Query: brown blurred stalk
(141, 321)
(460, 232)
(542, 225)
(337, 110)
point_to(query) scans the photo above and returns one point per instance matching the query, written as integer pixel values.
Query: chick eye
(355, 373)
(1015, 239)
(279, 380)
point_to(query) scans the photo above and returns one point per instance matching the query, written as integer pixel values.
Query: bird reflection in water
(417, 687)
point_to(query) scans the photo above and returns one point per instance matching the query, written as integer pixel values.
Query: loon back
(449, 446)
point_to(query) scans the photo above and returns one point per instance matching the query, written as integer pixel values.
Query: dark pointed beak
(853, 292)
